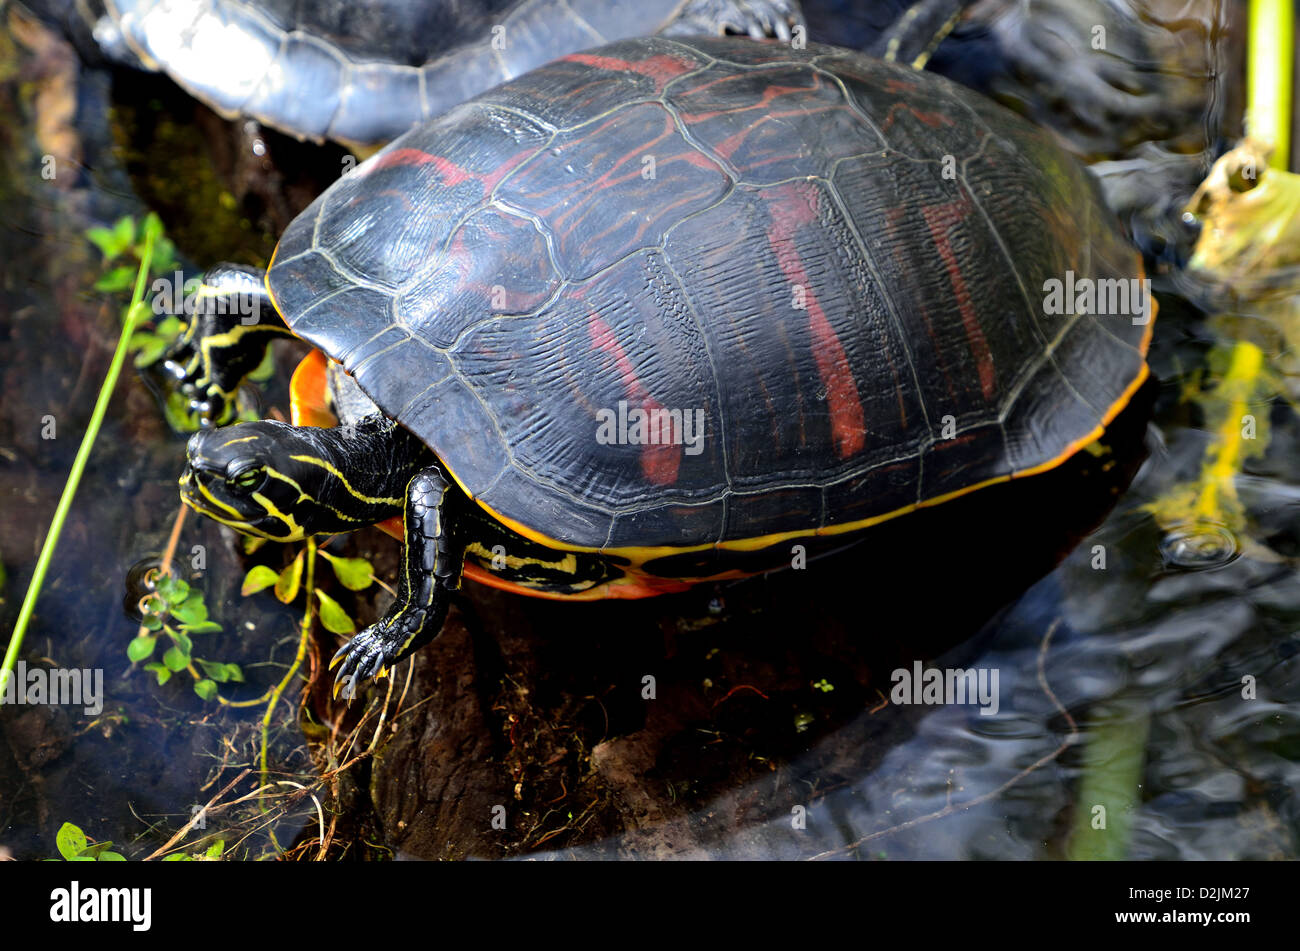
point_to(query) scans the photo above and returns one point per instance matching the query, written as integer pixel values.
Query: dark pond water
(1147, 686)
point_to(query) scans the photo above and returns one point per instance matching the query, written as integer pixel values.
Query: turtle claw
(759, 19)
(373, 650)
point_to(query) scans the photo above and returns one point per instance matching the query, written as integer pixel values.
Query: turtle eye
(248, 478)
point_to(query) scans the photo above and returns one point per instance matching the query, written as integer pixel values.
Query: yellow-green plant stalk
(1268, 81)
(136, 314)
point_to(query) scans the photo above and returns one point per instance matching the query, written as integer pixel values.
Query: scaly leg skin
(757, 18)
(918, 32)
(225, 341)
(432, 564)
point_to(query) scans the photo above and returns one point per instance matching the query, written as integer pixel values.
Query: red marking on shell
(660, 68)
(941, 218)
(451, 173)
(763, 106)
(932, 119)
(399, 157)
(794, 206)
(659, 462)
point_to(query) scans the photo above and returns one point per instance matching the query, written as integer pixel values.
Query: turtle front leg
(224, 341)
(432, 563)
(756, 18)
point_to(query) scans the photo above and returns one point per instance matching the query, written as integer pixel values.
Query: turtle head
(271, 480)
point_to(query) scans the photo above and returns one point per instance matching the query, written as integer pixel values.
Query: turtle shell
(363, 70)
(837, 266)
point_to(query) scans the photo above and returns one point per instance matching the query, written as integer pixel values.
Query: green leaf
(203, 627)
(153, 622)
(161, 672)
(177, 857)
(258, 578)
(233, 673)
(102, 238)
(216, 848)
(214, 669)
(149, 351)
(192, 610)
(334, 618)
(183, 643)
(112, 857)
(113, 241)
(118, 279)
(355, 574)
(71, 841)
(173, 590)
(150, 227)
(176, 659)
(286, 588)
(124, 231)
(207, 689)
(164, 257)
(170, 327)
(96, 850)
(140, 648)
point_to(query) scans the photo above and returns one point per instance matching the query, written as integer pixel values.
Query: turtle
(664, 312)
(363, 71)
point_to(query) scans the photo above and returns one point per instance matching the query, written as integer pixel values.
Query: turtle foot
(376, 648)
(760, 19)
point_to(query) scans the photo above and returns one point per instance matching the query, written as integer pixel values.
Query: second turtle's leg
(224, 341)
(918, 31)
(431, 567)
(757, 18)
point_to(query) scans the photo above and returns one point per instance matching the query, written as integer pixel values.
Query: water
(1145, 663)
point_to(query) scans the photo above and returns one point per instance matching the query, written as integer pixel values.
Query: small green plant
(123, 248)
(179, 612)
(355, 574)
(75, 847)
(213, 854)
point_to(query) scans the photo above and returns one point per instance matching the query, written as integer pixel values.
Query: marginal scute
(302, 64)
(357, 119)
(754, 515)
(567, 519)
(324, 306)
(680, 525)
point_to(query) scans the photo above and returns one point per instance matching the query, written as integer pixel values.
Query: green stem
(78, 467)
(303, 637)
